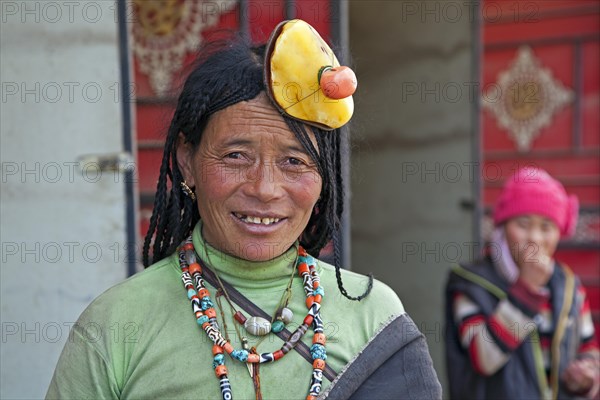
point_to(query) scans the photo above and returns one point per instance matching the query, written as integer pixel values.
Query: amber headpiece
(304, 78)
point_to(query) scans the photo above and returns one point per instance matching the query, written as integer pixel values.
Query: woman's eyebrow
(295, 147)
(236, 142)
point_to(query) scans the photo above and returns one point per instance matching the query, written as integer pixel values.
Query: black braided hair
(226, 73)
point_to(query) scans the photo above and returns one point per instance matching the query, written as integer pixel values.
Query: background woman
(518, 322)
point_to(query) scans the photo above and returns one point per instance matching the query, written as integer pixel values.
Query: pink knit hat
(533, 191)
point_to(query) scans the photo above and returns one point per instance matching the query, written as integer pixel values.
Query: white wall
(62, 220)
(412, 158)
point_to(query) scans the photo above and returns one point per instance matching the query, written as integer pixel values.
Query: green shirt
(140, 339)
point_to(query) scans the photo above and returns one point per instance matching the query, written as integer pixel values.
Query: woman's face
(531, 238)
(256, 186)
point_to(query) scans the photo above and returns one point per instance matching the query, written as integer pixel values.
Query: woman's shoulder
(381, 299)
(350, 324)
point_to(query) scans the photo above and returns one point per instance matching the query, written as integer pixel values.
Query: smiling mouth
(256, 220)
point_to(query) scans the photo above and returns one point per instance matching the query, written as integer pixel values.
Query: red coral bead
(228, 348)
(220, 370)
(216, 349)
(195, 268)
(319, 364)
(309, 301)
(239, 317)
(302, 269)
(319, 338)
(338, 83)
(308, 320)
(210, 313)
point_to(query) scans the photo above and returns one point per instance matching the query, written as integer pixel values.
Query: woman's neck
(245, 273)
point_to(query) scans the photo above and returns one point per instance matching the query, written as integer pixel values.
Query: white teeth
(256, 220)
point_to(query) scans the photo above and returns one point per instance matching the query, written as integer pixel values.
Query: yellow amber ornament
(296, 57)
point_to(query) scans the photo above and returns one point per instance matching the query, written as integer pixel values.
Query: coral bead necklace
(256, 325)
(203, 308)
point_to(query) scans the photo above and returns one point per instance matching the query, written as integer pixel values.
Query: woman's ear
(185, 160)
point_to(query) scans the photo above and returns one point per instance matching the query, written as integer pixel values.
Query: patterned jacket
(493, 346)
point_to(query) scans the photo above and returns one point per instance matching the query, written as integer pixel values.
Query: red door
(540, 106)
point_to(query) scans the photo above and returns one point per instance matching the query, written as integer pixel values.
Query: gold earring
(188, 191)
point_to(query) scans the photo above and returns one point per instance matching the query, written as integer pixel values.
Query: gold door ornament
(524, 98)
(165, 30)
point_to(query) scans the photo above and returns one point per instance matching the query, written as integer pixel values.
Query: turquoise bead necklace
(258, 326)
(205, 314)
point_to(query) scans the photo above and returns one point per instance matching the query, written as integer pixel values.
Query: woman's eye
(546, 227)
(295, 161)
(235, 155)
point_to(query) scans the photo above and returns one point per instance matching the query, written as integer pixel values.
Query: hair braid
(159, 239)
(337, 181)
(312, 239)
(321, 227)
(167, 223)
(175, 206)
(189, 217)
(159, 200)
(338, 274)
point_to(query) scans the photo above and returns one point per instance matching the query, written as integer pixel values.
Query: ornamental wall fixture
(164, 31)
(525, 98)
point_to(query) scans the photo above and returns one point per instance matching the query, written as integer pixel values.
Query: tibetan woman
(233, 302)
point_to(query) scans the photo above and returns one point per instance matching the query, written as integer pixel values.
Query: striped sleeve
(490, 340)
(588, 342)
(586, 326)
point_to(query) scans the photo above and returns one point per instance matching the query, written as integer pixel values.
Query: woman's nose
(535, 236)
(264, 182)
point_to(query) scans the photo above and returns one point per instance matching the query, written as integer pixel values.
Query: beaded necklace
(206, 316)
(255, 325)
(258, 325)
